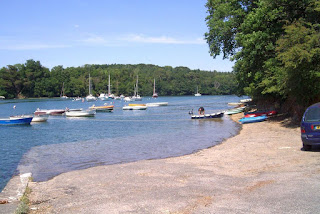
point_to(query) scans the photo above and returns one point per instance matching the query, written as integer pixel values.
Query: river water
(63, 144)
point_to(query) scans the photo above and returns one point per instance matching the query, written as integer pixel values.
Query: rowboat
(208, 116)
(49, 111)
(157, 104)
(82, 113)
(102, 108)
(135, 107)
(234, 111)
(252, 119)
(17, 120)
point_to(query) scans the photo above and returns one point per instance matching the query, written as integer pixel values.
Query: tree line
(275, 45)
(31, 79)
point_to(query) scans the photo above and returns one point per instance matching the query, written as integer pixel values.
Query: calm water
(63, 144)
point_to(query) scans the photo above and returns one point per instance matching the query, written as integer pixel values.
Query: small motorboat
(208, 116)
(157, 104)
(49, 111)
(253, 119)
(17, 120)
(102, 108)
(82, 113)
(40, 118)
(134, 107)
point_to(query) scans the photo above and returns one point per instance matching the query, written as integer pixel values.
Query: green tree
(274, 43)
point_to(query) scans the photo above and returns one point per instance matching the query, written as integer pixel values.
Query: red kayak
(257, 114)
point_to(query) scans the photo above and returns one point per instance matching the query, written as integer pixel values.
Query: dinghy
(208, 116)
(135, 107)
(82, 113)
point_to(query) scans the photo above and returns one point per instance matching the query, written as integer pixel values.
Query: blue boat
(16, 120)
(252, 119)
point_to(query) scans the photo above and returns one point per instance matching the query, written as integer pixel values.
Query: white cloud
(31, 46)
(160, 40)
(76, 26)
(94, 40)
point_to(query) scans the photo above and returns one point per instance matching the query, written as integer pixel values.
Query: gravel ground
(261, 170)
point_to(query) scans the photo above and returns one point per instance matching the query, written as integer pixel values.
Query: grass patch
(23, 207)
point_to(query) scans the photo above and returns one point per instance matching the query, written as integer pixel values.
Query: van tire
(307, 147)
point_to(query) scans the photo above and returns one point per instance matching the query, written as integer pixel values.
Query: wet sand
(260, 170)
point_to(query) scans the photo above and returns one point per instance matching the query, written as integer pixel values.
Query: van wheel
(307, 147)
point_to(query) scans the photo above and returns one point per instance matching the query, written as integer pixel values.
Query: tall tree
(275, 44)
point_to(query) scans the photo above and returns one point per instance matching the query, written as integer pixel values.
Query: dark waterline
(64, 144)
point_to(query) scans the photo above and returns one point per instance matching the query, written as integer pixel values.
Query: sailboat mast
(89, 84)
(109, 91)
(154, 85)
(62, 90)
(137, 84)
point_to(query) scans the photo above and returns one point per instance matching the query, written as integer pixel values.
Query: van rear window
(312, 114)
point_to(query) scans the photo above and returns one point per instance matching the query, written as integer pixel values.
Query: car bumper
(310, 141)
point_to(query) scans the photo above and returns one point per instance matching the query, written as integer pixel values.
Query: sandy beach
(260, 170)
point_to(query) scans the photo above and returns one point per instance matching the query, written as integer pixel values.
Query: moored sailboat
(197, 94)
(154, 95)
(90, 97)
(62, 95)
(136, 96)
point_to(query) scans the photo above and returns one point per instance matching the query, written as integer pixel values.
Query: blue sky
(78, 32)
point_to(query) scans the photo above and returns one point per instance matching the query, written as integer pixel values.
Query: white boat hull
(90, 98)
(134, 108)
(157, 104)
(87, 113)
(40, 118)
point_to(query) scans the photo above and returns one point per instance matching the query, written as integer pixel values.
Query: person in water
(201, 110)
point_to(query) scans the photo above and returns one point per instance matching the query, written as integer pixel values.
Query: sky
(73, 33)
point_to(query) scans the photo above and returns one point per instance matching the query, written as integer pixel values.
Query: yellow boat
(102, 108)
(138, 104)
